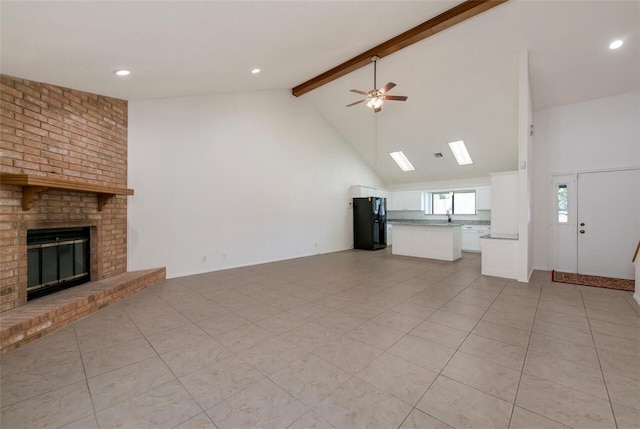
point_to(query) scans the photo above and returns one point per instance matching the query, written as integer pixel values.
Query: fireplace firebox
(57, 259)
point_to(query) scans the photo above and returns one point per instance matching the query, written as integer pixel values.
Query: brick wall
(63, 133)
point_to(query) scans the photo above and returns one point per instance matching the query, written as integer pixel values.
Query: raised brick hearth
(50, 313)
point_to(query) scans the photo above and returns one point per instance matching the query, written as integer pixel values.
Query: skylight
(460, 152)
(402, 161)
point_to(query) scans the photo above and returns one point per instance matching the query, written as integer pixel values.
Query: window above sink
(452, 202)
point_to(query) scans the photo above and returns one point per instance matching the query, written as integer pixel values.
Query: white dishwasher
(471, 236)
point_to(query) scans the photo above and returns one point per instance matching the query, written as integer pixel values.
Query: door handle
(582, 231)
(582, 224)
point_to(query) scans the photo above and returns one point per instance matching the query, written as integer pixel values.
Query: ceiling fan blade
(377, 110)
(357, 102)
(357, 91)
(387, 87)
(396, 97)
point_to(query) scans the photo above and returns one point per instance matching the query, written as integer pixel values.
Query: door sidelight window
(562, 203)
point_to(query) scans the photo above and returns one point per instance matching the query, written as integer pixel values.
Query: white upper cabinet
(394, 202)
(414, 200)
(367, 191)
(483, 198)
(361, 192)
(407, 200)
(382, 194)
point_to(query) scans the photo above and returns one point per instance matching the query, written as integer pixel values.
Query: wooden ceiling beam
(451, 17)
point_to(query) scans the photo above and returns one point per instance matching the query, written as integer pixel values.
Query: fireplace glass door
(56, 259)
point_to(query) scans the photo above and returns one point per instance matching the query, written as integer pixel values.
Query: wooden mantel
(33, 184)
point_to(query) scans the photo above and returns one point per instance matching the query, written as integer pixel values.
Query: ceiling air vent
(438, 154)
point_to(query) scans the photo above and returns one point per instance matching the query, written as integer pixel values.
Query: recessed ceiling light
(616, 44)
(122, 72)
(255, 71)
(460, 152)
(402, 161)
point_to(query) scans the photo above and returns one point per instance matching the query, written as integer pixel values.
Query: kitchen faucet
(448, 216)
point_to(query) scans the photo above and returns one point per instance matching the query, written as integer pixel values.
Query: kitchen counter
(438, 222)
(500, 236)
(441, 240)
(422, 223)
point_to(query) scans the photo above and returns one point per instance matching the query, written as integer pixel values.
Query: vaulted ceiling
(462, 83)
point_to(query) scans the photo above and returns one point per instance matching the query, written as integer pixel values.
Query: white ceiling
(462, 83)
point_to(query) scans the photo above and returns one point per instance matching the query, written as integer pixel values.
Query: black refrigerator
(369, 223)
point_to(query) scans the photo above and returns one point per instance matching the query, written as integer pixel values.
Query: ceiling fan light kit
(376, 97)
(375, 102)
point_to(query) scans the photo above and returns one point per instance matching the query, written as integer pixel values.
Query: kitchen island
(425, 239)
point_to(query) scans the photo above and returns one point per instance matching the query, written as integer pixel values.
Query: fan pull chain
(375, 148)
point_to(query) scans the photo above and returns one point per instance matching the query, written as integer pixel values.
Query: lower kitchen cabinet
(389, 234)
(471, 237)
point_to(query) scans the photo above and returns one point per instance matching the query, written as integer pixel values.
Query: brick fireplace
(68, 135)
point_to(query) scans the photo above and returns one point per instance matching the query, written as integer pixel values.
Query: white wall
(595, 135)
(505, 196)
(636, 294)
(239, 179)
(525, 172)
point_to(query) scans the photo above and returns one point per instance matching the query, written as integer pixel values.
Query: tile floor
(346, 340)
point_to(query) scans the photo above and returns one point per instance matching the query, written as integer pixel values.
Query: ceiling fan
(376, 97)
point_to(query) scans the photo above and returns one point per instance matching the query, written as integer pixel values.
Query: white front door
(608, 222)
